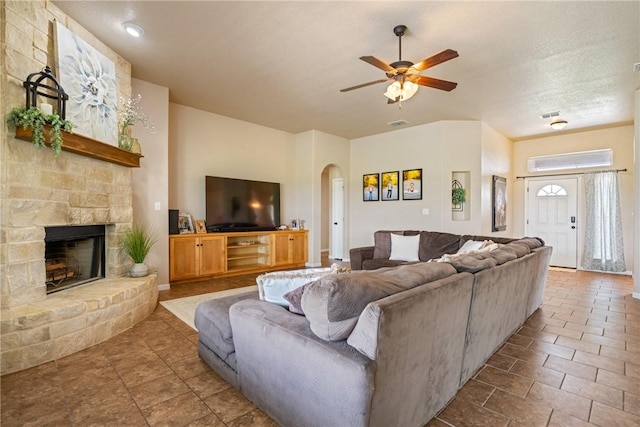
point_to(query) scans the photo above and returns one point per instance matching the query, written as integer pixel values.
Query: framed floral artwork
(412, 184)
(89, 78)
(389, 187)
(370, 187)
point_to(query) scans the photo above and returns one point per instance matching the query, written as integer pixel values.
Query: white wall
(620, 139)
(316, 150)
(497, 157)
(202, 144)
(151, 180)
(439, 149)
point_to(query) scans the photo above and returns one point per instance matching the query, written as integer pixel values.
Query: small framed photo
(185, 225)
(499, 220)
(201, 227)
(389, 183)
(412, 184)
(370, 187)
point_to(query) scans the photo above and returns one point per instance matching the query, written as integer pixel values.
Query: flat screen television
(241, 205)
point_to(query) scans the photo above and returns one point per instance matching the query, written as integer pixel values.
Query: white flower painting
(89, 78)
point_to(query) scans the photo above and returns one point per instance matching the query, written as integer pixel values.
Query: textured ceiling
(282, 64)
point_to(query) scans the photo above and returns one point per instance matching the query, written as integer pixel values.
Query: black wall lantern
(34, 85)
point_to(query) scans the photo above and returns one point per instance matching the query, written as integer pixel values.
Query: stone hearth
(72, 320)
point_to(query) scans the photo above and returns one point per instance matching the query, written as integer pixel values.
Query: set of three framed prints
(387, 185)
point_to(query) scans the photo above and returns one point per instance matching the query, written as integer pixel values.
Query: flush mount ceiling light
(558, 124)
(132, 29)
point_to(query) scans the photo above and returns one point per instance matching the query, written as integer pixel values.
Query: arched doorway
(332, 215)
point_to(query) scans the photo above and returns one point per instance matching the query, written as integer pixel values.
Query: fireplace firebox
(74, 255)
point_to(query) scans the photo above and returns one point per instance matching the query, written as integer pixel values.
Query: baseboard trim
(164, 287)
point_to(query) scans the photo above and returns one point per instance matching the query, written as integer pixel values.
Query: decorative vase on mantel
(135, 146)
(124, 138)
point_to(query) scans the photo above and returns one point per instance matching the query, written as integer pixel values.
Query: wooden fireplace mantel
(85, 146)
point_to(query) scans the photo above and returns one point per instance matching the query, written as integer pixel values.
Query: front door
(552, 214)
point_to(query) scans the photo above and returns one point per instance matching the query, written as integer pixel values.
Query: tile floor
(576, 362)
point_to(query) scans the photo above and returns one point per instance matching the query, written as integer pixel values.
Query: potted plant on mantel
(33, 118)
(137, 244)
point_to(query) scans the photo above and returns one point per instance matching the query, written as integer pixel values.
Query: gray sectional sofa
(388, 346)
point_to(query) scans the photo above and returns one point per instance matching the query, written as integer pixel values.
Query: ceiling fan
(404, 75)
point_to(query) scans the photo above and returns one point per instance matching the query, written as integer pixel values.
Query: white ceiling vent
(583, 159)
(398, 122)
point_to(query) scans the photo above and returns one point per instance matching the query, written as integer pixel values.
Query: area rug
(185, 308)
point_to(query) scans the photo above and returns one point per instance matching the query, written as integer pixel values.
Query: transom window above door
(552, 190)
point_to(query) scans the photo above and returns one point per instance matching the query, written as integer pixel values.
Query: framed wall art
(412, 184)
(499, 195)
(389, 186)
(370, 187)
(89, 78)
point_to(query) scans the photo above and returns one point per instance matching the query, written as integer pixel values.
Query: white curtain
(603, 247)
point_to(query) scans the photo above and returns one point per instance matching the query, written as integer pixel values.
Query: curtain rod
(563, 174)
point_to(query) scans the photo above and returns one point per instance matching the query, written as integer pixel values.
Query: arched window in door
(552, 190)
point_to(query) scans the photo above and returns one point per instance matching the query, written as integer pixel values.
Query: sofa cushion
(531, 242)
(382, 242)
(214, 328)
(501, 240)
(376, 263)
(404, 248)
(333, 303)
(519, 249)
(472, 263)
(434, 244)
(502, 255)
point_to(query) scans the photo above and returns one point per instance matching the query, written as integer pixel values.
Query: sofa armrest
(358, 255)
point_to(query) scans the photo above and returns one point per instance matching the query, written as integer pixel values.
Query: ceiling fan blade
(379, 63)
(436, 59)
(434, 83)
(364, 85)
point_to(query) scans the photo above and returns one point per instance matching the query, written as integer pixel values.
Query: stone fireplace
(38, 191)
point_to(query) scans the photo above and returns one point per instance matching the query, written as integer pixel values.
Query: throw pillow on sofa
(294, 298)
(273, 286)
(382, 242)
(404, 248)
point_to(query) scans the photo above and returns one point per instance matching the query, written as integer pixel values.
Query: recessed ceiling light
(132, 29)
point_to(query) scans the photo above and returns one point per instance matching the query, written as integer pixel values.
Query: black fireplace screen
(74, 255)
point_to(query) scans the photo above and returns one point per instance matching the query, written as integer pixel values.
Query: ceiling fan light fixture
(134, 30)
(558, 124)
(403, 90)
